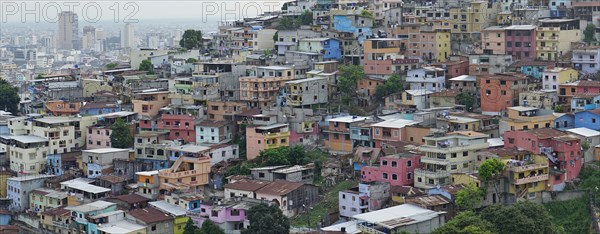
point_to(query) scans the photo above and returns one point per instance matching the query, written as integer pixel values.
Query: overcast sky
(30, 11)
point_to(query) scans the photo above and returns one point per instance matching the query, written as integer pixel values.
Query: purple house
(520, 42)
(228, 215)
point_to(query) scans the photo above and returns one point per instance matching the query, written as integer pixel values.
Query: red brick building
(500, 91)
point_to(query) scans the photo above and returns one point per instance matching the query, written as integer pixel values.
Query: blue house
(330, 48)
(5, 217)
(55, 165)
(346, 23)
(558, 8)
(98, 108)
(585, 101)
(531, 68)
(588, 119)
(564, 121)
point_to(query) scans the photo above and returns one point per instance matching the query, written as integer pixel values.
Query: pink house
(227, 216)
(98, 137)
(397, 169)
(563, 151)
(179, 126)
(393, 130)
(588, 86)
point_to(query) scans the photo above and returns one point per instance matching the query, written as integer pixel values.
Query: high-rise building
(89, 38)
(68, 31)
(127, 37)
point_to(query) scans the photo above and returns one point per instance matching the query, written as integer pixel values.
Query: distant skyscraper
(128, 37)
(68, 31)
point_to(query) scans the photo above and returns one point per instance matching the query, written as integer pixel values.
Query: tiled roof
(132, 198)
(247, 185)
(150, 215)
(279, 187)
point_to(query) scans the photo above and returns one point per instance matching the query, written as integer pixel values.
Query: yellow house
(469, 19)
(523, 118)
(4, 175)
(547, 43)
(553, 77)
(442, 48)
(527, 175)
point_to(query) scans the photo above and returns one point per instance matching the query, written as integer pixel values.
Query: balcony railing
(276, 134)
(438, 149)
(146, 185)
(60, 224)
(181, 174)
(432, 174)
(529, 167)
(547, 38)
(368, 228)
(532, 179)
(438, 161)
(489, 127)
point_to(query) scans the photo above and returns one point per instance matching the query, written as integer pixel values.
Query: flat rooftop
(105, 150)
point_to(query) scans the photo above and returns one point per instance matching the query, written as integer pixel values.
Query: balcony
(60, 224)
(548, 48)
(437, 161)
(360, 137)
(489, 127)
(275, 145)
(548, 38)
(146, 185)
(369, 228)
(175, 175)
(276, 135)
(453, 149)
(529, 167)
(431, 174)
(532, 179)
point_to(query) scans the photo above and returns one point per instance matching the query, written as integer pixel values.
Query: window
(465, 165)
(394, 164)
(465, 154)
(453, 167)
(385, 175)
(503, 92)
(153, 227)
(593, 120)
(261, 175)
(409, 163)
(394, 177)
(384, 163)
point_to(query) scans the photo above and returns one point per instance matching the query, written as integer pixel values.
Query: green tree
(191, 39)
(489, 168)
(589, 32)
(274, 157)
(512, 219)
(267, 219)
(469, 197)
(189, 228)
(466, 222)
(392, 85)
(285, 23)
(121, 137)
(558, 108)
(191, 60)
(467, 100)
(9, 97)
(297, 155)
(349, 75)
(111, 65)
(276, 37)
(146, 65)
(306, 18)
(367, 14)
(208, 227)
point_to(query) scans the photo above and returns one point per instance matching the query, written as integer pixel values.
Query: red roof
(150, 215)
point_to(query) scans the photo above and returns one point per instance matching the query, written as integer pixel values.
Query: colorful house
(338, 133)
(523, 117)
(187, 174)
(588, 119)
(330, 48)
(562, 150)
(500, 91)
(397, 169)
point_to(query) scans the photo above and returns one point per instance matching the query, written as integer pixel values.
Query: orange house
(187, 174)
(366, 88)
(338, 133)
(392, 130)
(62, 108)
(500, 91)
(147, 104)
(148, 184)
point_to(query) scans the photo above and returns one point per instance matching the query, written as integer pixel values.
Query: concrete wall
(548, 196)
